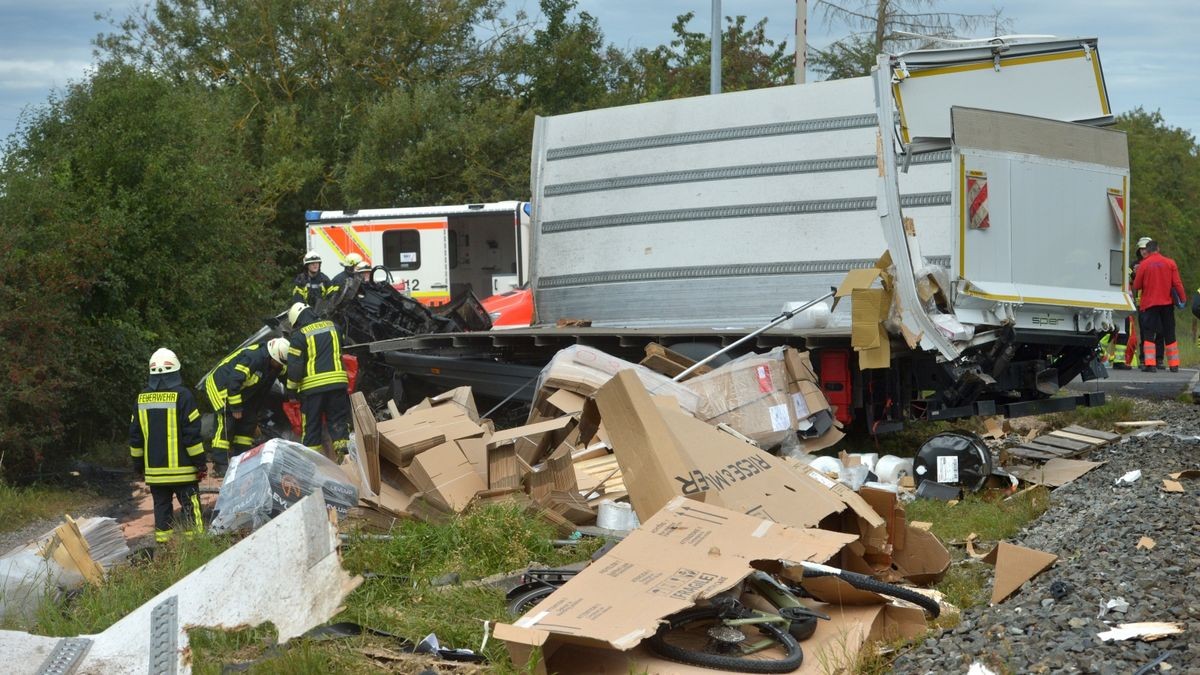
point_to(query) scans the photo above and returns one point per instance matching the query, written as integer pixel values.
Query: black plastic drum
(957, 458)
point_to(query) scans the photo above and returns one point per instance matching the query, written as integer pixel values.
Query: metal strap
(738, 211)
(734, 172)
(164, 637)
(65, 656)
(715, 271)
(712, 135)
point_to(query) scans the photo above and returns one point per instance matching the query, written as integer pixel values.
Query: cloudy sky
(1149, 49)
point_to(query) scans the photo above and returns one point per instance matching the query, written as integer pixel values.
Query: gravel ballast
(1094, 528)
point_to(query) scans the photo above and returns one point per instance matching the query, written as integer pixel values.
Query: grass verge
(990, 516)
(397, 596)
(20, 506)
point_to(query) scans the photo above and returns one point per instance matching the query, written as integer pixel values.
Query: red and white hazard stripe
(977, 212)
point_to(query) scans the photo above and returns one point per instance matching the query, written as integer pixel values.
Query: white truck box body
(715, 211)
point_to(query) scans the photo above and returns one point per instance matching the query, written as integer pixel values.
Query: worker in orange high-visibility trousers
(165, 443)
(1161, 291)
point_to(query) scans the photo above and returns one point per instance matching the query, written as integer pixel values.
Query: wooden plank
(1064, 443)
(1030, 453)
(1095, 433)
(1094, 442)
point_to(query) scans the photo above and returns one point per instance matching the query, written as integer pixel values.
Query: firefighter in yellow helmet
(164, 441)
(235, 390)
(342, 279)
(315, 375)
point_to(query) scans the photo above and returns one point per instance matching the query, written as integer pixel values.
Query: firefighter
(315, 375)
(311, 285)
(1160, 291)
(363, 271)
(236, 390)
(164, 441)
(342, 279)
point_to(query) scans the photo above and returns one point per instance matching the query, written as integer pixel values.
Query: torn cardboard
(1014, 566)
(869, 308)
(1056, 472)
(686, 552)
(666, 452)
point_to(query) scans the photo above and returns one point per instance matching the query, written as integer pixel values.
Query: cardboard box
(445, 476)
(367, 434)
(684, 553)
(460, 397)
(418, 430)
(533, 440)
(664, 452)
(832, 649)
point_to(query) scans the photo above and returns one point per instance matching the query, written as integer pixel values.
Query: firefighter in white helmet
(311, 285)
(165, 443)
(236, 391)
(315, 375)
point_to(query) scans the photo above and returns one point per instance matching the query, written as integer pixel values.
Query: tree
(1164, 167)
(749, 60)
(129, 220)
(879, 26)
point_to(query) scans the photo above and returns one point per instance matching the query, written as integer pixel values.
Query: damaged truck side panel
(696, 220)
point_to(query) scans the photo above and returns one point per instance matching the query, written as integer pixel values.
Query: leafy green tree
(1164, 167)
(131, 221)
(749, 60)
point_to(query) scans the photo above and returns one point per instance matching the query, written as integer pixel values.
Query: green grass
(988, 515)
(397, 597)
(20, 506)
(1115, 409)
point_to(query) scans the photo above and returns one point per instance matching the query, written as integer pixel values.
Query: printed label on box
(801, 406)
(947, 469)
(779, 417)
(764, 379)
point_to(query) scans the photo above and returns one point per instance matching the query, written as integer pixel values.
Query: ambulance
(433, 253)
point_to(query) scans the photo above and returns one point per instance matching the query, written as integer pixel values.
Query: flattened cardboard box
(664, 452)
(686, 552)
(832, 649)
(869, 308)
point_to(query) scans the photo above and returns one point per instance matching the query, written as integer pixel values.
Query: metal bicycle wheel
(699, 637)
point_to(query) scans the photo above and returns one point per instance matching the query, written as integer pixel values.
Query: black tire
(526, 601)
(866, 583)
(678, 624)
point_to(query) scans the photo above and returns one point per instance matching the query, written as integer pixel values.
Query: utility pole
(801, 39)
(714, 60)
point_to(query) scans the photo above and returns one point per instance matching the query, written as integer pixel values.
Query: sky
(1148, 49)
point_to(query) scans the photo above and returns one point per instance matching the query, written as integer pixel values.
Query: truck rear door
(1041, 209)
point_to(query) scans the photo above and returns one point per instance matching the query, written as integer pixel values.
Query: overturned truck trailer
(966, 202)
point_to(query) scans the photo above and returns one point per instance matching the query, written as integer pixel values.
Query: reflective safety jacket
(164, 433)
(315, 356)
(340, 280)
(310, 289)
(239, 376)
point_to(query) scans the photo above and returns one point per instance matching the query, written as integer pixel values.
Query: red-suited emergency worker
(1158, 281)
(165, 443)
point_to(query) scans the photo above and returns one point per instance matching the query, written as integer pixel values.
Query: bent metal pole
(774, 322)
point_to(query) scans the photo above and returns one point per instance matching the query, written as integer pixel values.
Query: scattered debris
(304, 586)
(954, 458)
(1118, 605)
(1014, 566)
(1145, 544)
(1171, 486)
(264, 481)
(1068, 442)
(1147, 631)
(1129, 478)
(1056, 472)
(1140, 424)
(1059, 590)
